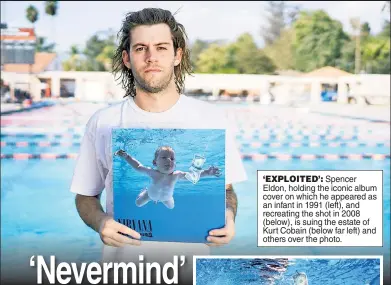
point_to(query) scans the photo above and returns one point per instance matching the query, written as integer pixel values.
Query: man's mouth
(152, 70)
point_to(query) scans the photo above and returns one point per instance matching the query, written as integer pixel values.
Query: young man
(152, 60)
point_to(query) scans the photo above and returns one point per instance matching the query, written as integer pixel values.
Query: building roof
(42, 61)
(25, 34)
(327, 71)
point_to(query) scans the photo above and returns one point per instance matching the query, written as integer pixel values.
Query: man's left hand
(219, 237)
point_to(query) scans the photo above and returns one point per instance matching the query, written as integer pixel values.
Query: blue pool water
(198, 207)
(39, 215)
(319, 271)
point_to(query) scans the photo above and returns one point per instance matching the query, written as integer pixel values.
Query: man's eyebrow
(158, 44)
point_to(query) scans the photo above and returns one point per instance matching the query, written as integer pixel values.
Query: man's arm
(231, 201)
(225, 235)
(91, 212)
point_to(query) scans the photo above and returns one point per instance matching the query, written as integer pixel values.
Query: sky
(79, 20)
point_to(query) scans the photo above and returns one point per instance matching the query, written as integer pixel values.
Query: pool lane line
(245, 156)
(40, 135)
(38, 144)
(34, 106)
(13, 128)
(260, 156)
(306, 132)
(297, 137)
(314, 144)
(39, 156)
(244, 144)
(310, 137)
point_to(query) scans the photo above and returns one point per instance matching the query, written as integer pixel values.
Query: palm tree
(43, 46)
(74, 62)
(74, 50)
(356, 26)
(51, 8)
(32, 14)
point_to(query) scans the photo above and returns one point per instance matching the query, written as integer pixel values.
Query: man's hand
(224, 235)
(110, 233)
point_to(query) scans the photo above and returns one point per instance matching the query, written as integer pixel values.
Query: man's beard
(157, 87)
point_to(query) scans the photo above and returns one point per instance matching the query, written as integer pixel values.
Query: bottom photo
(292, 270)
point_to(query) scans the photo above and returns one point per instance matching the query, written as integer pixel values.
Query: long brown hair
(151, 16)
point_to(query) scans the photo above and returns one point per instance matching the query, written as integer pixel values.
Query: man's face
(152, 57)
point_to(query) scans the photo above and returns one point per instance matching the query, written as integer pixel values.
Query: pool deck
(10, 108)
(370, 113)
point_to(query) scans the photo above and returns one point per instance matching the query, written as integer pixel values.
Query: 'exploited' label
(320, 208)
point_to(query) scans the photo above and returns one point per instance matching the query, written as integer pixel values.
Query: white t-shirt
(93, 171)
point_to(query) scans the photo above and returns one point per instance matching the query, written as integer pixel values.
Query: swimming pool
(38, 212)
(283, 271)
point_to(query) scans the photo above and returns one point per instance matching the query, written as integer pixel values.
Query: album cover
(169, 184)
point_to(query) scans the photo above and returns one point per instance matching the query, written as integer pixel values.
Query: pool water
(318, 271)
(39, 215)
(196, 208)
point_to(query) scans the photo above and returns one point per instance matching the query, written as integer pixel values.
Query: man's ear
(126, 59)
(178, 57)
(154, 162)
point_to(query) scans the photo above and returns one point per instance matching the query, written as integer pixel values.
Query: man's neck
(156, 102)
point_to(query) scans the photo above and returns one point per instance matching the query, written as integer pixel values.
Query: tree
(292, 14)
(386, 31)
(376, 55)
(276, 21)
(281, 51)
(279, 16)
(249, 59)
(106, 57)
(215, 59)
(42, 46)
(386, 25)
(99, 51)
(51, 8)
(32, 14)
(318, 40)
(365, 29)
(196, 49)
(75, 61)
(346, 61)
(241, 56)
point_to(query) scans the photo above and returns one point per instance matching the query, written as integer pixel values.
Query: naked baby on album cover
(169, 184)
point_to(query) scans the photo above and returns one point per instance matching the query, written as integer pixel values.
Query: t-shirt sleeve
(88, 177)
(235, 171)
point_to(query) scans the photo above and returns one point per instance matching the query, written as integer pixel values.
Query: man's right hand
(110, 234)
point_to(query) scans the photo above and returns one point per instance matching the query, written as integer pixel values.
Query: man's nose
(151, 55)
